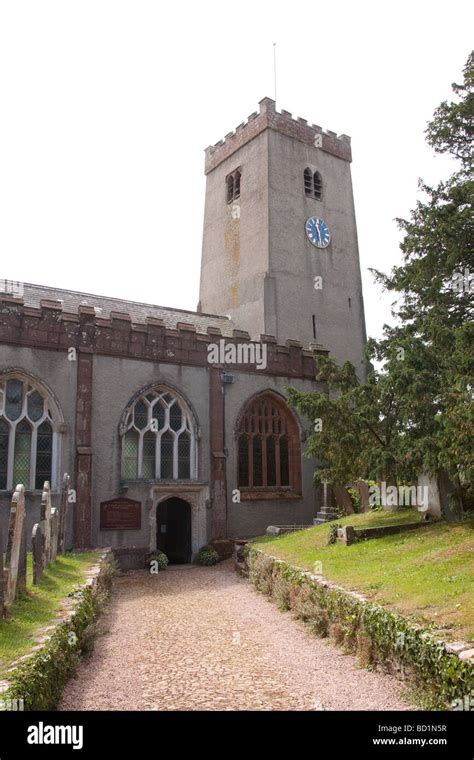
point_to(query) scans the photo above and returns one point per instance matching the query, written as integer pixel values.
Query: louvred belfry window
(233, 186)
(29, 426)
(158, 441)
(269, 450)
(313, 184)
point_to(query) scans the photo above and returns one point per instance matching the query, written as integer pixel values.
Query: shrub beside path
(201, 638)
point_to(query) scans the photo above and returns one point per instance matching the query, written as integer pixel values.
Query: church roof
(104, 305)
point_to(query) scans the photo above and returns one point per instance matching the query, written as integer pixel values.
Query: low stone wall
(36, 680)
(131, 558)
(278, 530)
(379, 637)
(349, 535)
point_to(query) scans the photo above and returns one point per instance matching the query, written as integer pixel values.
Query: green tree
(417, 412)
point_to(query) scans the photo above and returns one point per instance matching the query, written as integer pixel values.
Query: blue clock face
(317, 232)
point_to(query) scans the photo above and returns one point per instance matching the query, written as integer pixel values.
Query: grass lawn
(426, 575)
(40, 604)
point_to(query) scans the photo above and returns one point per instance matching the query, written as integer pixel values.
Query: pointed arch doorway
(173, 529)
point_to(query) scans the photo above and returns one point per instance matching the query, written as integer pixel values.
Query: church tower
(280, 253)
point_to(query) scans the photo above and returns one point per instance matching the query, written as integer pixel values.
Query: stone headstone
(63, 513)
(344, 500)
(54, 534)
(21, 580)
(16, 556)
(46, 518)
(364, 495)
(2, 608)
(37, 541)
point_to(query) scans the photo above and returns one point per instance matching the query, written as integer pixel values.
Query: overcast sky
(106, 108)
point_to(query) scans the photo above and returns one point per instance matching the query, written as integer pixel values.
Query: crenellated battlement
(269, 118)
(49, 327)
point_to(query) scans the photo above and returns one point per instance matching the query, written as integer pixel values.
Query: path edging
(378, 636)
(36, 680)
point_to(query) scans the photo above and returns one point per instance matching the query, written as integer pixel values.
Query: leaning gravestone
(46, 519)
(16, 554)
(63, 509)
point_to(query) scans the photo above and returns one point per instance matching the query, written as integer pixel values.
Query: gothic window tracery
(268, 447)
(159, 439)
(29, 423)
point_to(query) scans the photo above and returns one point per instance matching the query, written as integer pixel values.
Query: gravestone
(364, 495)
(2, 607)
(46, 519)
(343, 499)
(54, 534)
(37, 541)
(16, 554)
(63, 510)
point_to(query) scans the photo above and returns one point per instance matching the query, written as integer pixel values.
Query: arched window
(269, 451)
(158, 438)
(230, 188)
(318, 186)
(313, 184)
(29, 429)
(233, 186)
(236, 185)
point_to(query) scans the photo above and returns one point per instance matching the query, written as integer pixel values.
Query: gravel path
(197, 638)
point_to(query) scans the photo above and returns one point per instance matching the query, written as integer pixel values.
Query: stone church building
(173, 424)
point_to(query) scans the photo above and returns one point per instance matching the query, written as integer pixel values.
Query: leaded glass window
(130, 454)
(158, 440)
(29, 421)
(44, 454)
(4, 435)
(268, 446)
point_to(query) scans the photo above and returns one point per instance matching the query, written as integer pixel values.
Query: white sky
(106, 108)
